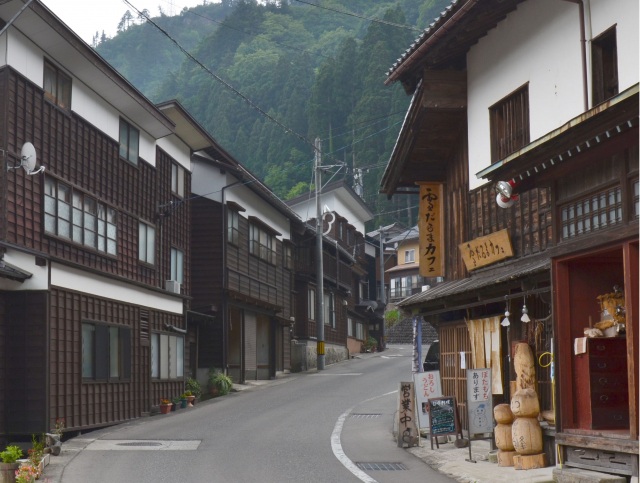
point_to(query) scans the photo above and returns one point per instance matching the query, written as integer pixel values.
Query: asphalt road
(326, 426)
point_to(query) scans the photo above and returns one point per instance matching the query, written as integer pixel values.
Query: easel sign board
(443, 412)
(427, 386)
(479, 401)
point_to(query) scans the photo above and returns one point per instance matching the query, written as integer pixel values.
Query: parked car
(432, 359)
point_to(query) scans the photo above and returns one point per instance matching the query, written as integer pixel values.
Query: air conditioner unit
(173, 286)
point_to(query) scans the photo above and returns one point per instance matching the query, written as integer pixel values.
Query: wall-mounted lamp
(505, 197)
(525, 313)
(506, 322)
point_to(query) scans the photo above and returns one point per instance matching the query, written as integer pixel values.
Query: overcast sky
(86, 17)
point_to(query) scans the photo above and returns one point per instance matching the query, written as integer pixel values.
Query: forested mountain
(267, 78)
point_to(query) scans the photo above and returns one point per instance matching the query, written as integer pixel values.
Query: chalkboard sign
(443, 417)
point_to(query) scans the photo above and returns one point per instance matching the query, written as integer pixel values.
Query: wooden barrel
(502, 414)
(525, 404)
(503, 436)
(526, 435)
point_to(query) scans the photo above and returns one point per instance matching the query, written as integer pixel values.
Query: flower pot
(8, 472)
(165, 408)
(183, 403)
(190, 400)
(174, 407)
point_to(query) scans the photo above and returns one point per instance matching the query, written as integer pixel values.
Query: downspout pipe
(583, 48)
(223, 299)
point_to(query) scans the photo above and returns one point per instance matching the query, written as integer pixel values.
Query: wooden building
(348, 311)
(94, 271)
(242, 271)
(543, 97)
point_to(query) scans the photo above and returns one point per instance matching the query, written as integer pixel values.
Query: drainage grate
(140, 443)
(365, 415)
(381, 466)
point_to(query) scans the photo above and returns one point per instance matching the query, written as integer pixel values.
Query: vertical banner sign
(479, 401)
(417, 344)
(428, 386)
(407, 422)
(430, 226)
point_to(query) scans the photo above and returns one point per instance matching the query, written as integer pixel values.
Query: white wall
(307, 209)
(89, 283)
(539, 44)
(39, 275)
(177, 149)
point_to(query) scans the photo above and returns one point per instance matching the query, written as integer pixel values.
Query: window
(71, 214)
(636, 198)
(329, 310)
(604, 67)
(350, 328)
(146, 243)
(509, 121)
(233, 230)
(177, 264)
(592, 213)
(359, 331)
(261, 244)
(106, 352)
(177, 180)
(167, 356)
(311, 299)
(340, 230)
(288, 257)
(57, 86)
(409, 256)
(129, 142)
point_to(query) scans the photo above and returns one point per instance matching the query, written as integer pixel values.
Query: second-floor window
(129, 142)
(409, 256)
(146, 243)
(106, 352)
(233, 226)
(177, 265)
(604, 67)
(288, 257)
(261, 244)
(311, 304)
(509, 124)
(177, 180)
(57, 86)
(72, 214)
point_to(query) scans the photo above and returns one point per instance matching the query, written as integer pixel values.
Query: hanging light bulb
(506, 322)
(525, 314)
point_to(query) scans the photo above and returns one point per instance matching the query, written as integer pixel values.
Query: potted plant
(54, 438)
(219, 383)
(165, 406)
(193, 386)
(27, 473)
(176, 403)
(9, 465)
(369, 345)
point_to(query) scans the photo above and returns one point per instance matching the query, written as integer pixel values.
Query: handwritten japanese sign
(444, 416)
(486, 250)
(430, 226)
(428, 386)
(479, 402)
(407, 422)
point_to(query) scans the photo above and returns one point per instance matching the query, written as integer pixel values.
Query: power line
(371, 19)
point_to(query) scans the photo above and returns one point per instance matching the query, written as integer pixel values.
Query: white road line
(336, 445)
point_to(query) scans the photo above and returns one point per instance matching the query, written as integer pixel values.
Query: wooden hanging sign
(486, 250)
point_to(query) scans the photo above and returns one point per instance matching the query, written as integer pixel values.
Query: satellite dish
(28, 159)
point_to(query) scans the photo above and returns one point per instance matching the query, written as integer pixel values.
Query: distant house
(345, 268)
(95, 249)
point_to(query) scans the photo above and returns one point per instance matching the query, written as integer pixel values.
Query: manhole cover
(365, 416)
(140, 443)
(381, 466)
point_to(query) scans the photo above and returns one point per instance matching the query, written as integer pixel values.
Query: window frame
(262, 244)
(98, 364)
(177, 265)
(604, 67)
(329, 309)
(410, 256)
(311, 303)
(58, 81)
(509, 123)
(233, 227)
(177, 180)
(174, 346)
(88, 221)
(148, 228)
(129, 139)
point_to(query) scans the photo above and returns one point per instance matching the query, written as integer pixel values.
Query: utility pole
(383, 295)
(319, 266)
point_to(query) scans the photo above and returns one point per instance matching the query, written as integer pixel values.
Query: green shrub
(219, 382)
(193, 386)
(11, 454)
